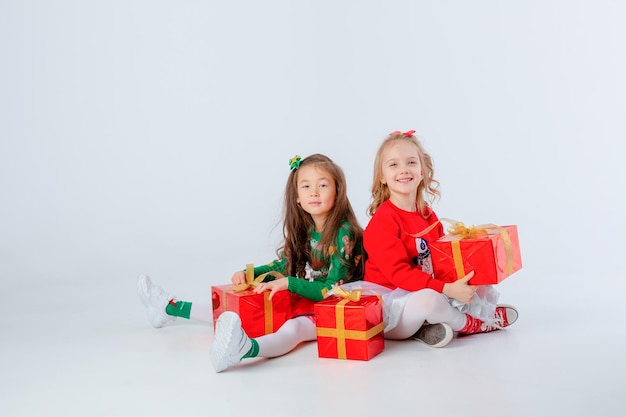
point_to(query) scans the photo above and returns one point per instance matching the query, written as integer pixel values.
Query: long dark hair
(298, 224)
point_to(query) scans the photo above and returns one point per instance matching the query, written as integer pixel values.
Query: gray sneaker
(231, 342)
(434, 335)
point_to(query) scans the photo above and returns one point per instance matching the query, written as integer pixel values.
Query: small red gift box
(492, 252)
(259, 315)
(349, 329)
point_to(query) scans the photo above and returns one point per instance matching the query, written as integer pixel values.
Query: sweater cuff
(436, 285)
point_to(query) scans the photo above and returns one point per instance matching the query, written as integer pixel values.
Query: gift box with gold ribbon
(259, 315)
(491, 251)
(349, 326)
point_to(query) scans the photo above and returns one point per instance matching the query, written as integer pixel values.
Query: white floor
(75, 348)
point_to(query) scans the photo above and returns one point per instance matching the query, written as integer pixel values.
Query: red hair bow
(408, 133)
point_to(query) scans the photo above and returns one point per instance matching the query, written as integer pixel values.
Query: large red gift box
(492, 252)
(259, 315)
(349, 329)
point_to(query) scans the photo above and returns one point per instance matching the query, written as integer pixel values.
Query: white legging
(287, 337)
(425, 305)
(284, 340)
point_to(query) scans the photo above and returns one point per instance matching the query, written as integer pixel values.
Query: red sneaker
(505, 316)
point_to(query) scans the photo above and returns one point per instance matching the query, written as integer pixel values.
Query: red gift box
(259, 315)
(349, 329)
(492, 252)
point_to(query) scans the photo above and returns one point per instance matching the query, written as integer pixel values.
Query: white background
(154, 137)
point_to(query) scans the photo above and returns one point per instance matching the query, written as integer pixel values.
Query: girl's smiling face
(316, 193)
(402, 173)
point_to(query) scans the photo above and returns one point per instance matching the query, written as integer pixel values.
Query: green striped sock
(178, 308)
(254, 350)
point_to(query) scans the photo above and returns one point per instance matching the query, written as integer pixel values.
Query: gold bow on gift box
(472, 232)
(251, 281)
(354, 295)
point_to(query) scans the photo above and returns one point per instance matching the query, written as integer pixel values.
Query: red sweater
(392, 256)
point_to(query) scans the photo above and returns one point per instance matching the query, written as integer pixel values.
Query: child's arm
(315, 290)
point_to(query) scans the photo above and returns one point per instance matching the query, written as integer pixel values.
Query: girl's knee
(300, 327)
(428, 299)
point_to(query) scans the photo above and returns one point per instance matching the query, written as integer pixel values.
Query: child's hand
(460, 289)
(238, 278)
(273, 286)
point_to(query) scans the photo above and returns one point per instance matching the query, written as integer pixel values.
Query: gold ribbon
(251, 282)
(268, 313)
(340, 332)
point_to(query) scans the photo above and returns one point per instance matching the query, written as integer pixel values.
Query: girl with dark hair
(322, 248)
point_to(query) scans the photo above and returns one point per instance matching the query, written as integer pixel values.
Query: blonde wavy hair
(427, 188)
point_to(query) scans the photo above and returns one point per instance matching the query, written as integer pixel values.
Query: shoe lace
(499, 320)
(499, 323)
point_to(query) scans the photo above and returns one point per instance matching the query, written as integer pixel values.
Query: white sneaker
(231, 342)
(155, 300)
(435, 335)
